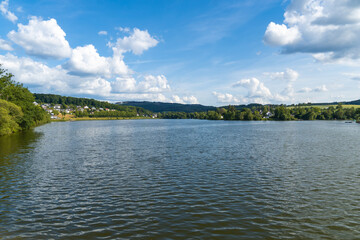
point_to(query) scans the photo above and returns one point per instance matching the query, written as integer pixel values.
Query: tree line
(72, 102)
(17, 111)
(268, 112)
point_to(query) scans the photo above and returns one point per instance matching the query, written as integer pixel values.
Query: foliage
(280, 113)
(29, 115)
(10, 117)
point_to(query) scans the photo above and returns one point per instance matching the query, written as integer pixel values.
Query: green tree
(10, 116)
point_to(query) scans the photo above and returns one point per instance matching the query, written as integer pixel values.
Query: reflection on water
(17, 142)
(165, 179)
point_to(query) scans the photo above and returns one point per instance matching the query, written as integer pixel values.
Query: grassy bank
(97, 118)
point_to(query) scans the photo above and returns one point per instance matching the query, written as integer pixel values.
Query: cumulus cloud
(42, 38)
(259, 93)
(4, 45)
(4, 9)
(190, 100)
(225, 98)
(149, 84)
(102, 33)
(154, 84)
(289, 75)
(87, 61)
(280, 35)
(330, 30)
(42, 78)
(185, 100)
(138, 42)
(256, 89)
(85, 71)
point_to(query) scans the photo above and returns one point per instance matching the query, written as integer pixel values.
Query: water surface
(180, 179)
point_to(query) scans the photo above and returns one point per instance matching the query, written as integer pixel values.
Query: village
(60, 111)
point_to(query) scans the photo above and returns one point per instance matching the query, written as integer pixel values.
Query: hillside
(57, 99)
(168, 107)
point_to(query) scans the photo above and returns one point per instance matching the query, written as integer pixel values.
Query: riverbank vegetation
(273, 112)
(17, 111)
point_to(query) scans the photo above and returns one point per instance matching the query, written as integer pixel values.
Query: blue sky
(207, 52)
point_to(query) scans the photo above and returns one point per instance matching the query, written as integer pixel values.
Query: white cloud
(330, 30)
(4, 9)
(289, 75)
(124, 84)
(149, 84)
(280, 35)
(153, 97)
(94, 86)
(138, 42)
(102, 33)
(225, 98)
(42, 78)
(256, 89)
(321, 88)
(305, 90)
(87, 61)
(43, 38)
(154, 84)
(123, 29)
(191, 100)
(177, 99)
(4, 45)
(34, 73)
(185, 100)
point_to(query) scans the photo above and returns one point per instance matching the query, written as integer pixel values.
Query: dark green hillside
(169, 107)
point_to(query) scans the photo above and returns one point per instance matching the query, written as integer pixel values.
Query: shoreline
(98, 118)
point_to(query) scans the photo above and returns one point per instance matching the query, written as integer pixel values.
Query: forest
(17, 111)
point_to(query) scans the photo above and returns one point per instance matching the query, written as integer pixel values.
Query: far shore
(98, 118)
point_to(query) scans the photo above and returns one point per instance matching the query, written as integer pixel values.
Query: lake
(181, 179)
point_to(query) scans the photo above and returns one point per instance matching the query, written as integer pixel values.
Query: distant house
(268, 115)
(57, 106)
(35, 103)
(86, 107)
(93, 108)
(101, 109)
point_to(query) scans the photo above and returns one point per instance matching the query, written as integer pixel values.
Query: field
(327, 106)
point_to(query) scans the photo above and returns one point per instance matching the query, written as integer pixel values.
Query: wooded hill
(68, 101)
(168, 107)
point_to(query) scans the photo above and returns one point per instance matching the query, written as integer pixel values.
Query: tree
(15, 93)
(10, 116)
